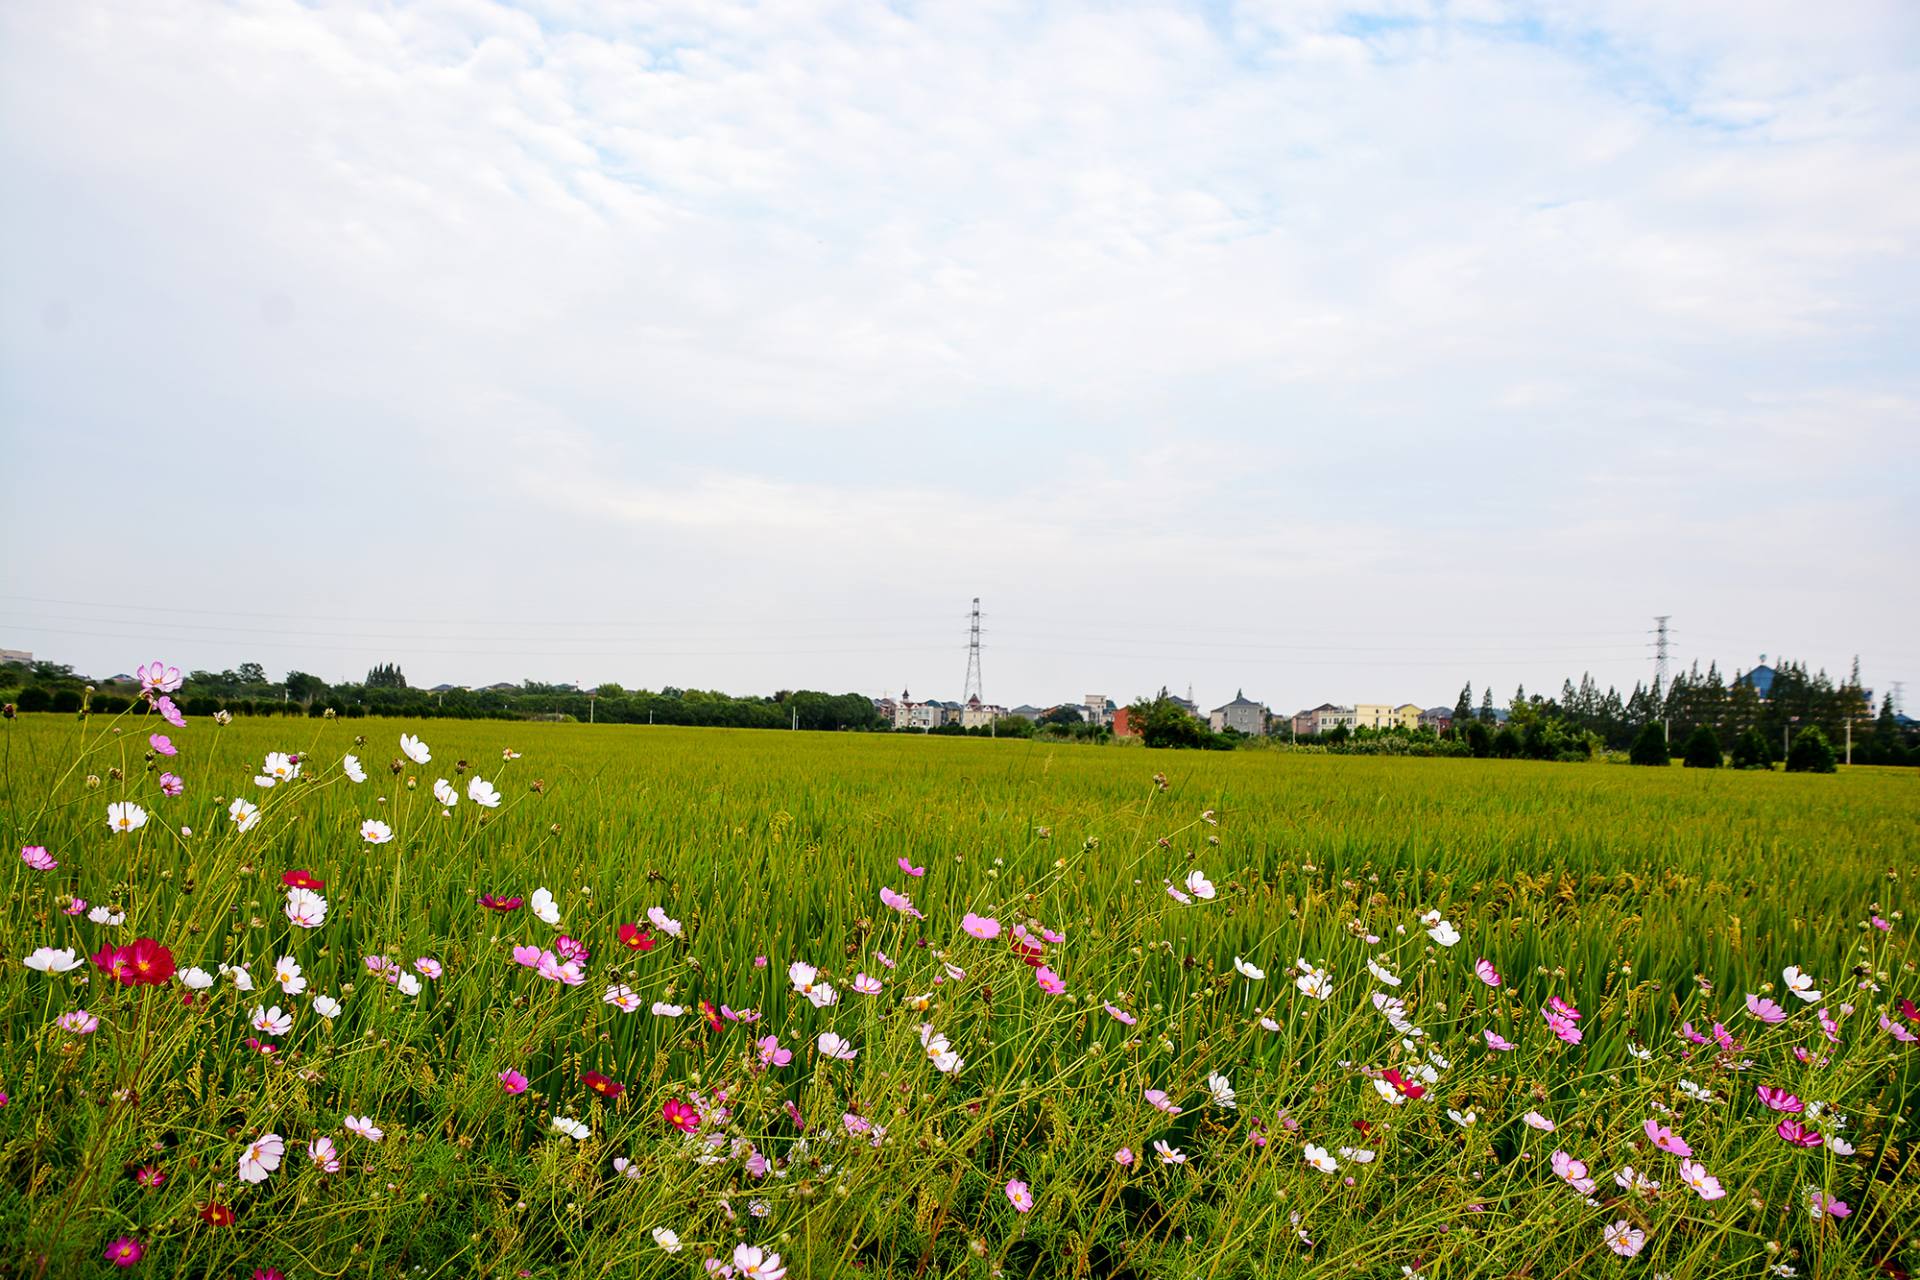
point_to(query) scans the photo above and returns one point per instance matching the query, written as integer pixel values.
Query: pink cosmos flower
(984, 928)
(680, 1115)
(162, 745)
(1572, 1172)
(771, 1054)
(1562, 1008)
(528, 955)
(1050, 982)
(1624, 1238)
(124, 1252)
(1158, 1097)
(1533, 1119)
(1124, 1157)
(1897, 1030)
(77, 907)
(1561, 1025)
(908, 867)
(1121, 1015)
(881, 956)
(1497, 1042)
(570, 949)
(1020, 1196)
(1486, 973)
(1686, 1029)
(1695, 1175)
(428, 967)
(1820, 1203)
(1666, 1139)
(1881, 925)
(79, 1022)
(157, 677)
(38, 858)
(1828, 1027)
(1797, 1134)
(324, 1154)
(168, 712)
(172, 784)
(865, 985)
(901, 903)
(512, 1081)
(1765, 1009)
(1779, 1099)
(1724, 1038)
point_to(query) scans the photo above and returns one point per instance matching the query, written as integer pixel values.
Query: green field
(1645, 899)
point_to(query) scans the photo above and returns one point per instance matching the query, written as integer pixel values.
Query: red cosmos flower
(680, 1115)
(711, 1014)
(1026, 947)
(302, 880)
(147, 962)
(114, 961)
(217, 1214)
(605, 1086)
(150, 1176)
(495, 903)
(634, 938)
(1909, 1009)
(1401, 1085)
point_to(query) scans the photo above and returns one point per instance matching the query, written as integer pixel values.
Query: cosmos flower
(408, 985)
(661, 1009)
(324, 1154)
(605, 1086)
(512, 1081)
(568, 1127)
(158, 677)
(1695, 1175)
(984, 928)
(1571, 1171)
(940, 1052)
(443, 792)
(866, 986)
(1797, 1134)
(483, 793)
(306, 909)
(1465, 1119)
(414, 749)
(280, 767)
(1898, 1030)
(1800, 984)
(1249, 971)
(1765, 1009)
(1020, 1196)
(105, 915)
(664, 922)
(901, 903)
(49, 960)
(196, 979)
(1561, 1025)
(750, 1262)
(622, 997)
(302, 880)
(1624, 1238)
(374, 831)
(1158, 1097)
(1497, 1042)
(168, 712)
(906, 865)
(1121, 1015)
(327, 1007)
(1382, 973)
(1050, 982)
(1778, 1099)
(79, 1022)
(364, 1127)
(171, 785)
(261, 1157)
(1396, 1088)
(272, 1022)
(350, 765)
(124, 1252)
(833, 1046)
(1486, 972)
(543, 906)
(287, 973)
(1124, 1157)
(1319, 1158)
(1314, 982)
(680, 1115)
(1198, 885)
(1533, 1119)
(666, 1239)
(1666, 1139)
(1820, 1204)
(1220, 1090)
(37, 858)
(494, 902)
(123, 817)
(1169, 1154)
(634, 938)
(244, 813)
(1444, 933)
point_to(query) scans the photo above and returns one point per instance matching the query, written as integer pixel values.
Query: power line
(972, 689)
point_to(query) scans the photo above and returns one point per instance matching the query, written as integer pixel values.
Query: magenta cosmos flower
(1765, 1009)
(985, 928)
(512, 1081)
(901, 903)
(907, 866)
(1797, 1134)
(1666, 1139)
(1050, 982)
(38, 858)
(1779, 1099)
(162, 744)
(124, 1252)
(1020, 1196)
(1486, 973)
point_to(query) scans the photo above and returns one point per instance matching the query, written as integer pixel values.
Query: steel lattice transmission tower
(972, 690)
(1660, 644)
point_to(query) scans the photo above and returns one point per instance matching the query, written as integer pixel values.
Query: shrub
(1811, 752)
(1752, 751)
(1703, 749)
(1650, 747)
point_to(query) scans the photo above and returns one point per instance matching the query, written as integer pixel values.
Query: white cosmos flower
(327, 1007)
(663, 922)
(196, 979)
(1319, 1159)
(101, 915)
(1465, 1119)
(280, 767)
(287, 974)
(1444, 933)
(622, 998)
(262, 1157)
(364, 1127)
(1222, 1091)
(351, 765)
(414, 749)
(245, 814)
(1381, 972)
(1248, 971)
(482, 793)
(661, 1009)
(324, 1154)
(242, 980)
(1315, 983)
(1801, 984)
(443, 792)
(1169, 1155)
(124, 816)
(272, 1021)
(306, 908)
(1359, 1155)
(1269, 1024)
(567, 1126)
(374, 831)
(666, 1239)
(543, 906)
(833, 1046)
(48, 960)
(1198, 885)
(409, 984)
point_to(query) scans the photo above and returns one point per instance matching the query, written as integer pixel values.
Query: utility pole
(972, 688)
(1660, 643)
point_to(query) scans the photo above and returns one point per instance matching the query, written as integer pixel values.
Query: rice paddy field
(620, 1001)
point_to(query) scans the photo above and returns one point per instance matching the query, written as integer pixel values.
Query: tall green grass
(1644, 898)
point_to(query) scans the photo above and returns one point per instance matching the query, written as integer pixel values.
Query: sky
(1331, 352)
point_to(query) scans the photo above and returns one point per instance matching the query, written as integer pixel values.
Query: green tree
(251, 673)
(1752, 750)
(1811, 752)
(305, 689)
(1703, 749)
(386, 676)
(1650, 747)
(1486, 706)
(1463, 709)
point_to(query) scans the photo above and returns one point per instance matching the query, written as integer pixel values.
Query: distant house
(1372, 715)
(1242, 714)
(1027, 711)
(1324, 718)
(21, 656)
(1407, 715)
(1438, 719)
(1123, 725)
(1761, 678)
(446, 688)
(979, 715)
(502, 686)
(1097, 708)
